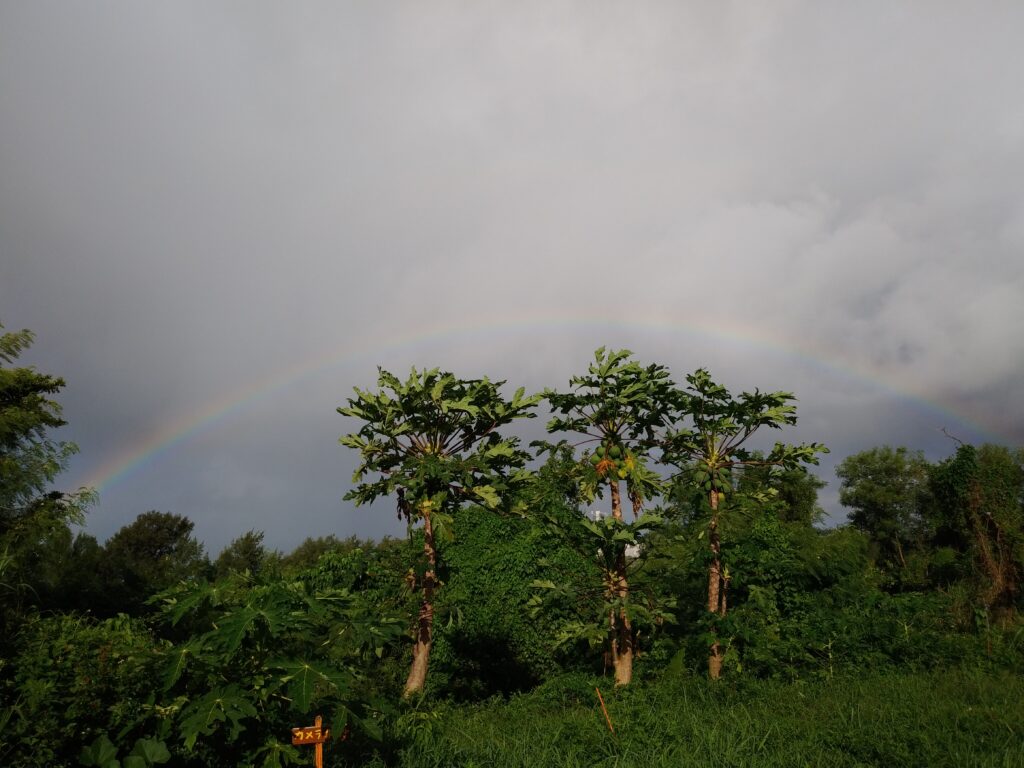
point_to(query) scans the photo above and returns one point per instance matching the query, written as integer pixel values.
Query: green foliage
(896, 639)
(980, 513)
(306, 554)
(617, 398)
(572, 593)
(246, 553)
(434, 438)
(262, 656)
(886, 490)
(74, 679)
(103, 753)
(151, 554)
(621, 407)
(29, 459)
(586, 608)
(715, 441)
(790, 493)
(488, 641)
(944, 719)
(433, 442)
(31, 514)
(709, 453)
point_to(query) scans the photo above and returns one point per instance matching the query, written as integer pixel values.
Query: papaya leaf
(220, 705)
(100, 753)
(232, 629)
(305, 678)
(276, 754)
(152, 751)
(178, 662)
(488, 495)
(177, 607)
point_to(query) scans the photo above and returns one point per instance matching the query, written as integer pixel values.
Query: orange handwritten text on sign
(310, 735)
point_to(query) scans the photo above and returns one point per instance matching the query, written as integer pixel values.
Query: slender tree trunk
(622, 633)
(616, 499)
(716, 594)
(425, 623)
(622, 627)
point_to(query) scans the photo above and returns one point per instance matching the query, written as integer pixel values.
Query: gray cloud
(200, 198)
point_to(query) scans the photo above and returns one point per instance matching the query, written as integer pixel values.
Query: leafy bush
(265, 657)
(491, 643)
(74, 679)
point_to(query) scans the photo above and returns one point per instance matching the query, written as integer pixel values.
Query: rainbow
(149, 447)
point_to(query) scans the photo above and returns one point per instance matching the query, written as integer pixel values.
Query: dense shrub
(74, 679)
(489, 642)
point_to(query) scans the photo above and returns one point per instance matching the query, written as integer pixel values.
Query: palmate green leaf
(275, 754)
(268, 609)
(151, 751)
(488, 495)
(100, 753)
(179, 603)
(465, 406)
(228, 706)
(431, 412)
(593, 633)
(500, 449)
(438, 389)
(648, 521)
(305, 679)
(232, 629)
(353, 441)
(178, 662)
(444, 526)
(369, 726)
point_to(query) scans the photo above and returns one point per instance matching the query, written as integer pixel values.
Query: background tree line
(143, 649)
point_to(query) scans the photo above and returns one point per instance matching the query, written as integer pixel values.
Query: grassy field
(953, 718)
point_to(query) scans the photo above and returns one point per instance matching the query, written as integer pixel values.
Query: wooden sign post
(313, 734)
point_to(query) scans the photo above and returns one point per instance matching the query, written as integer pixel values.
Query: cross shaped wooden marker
(313, 734)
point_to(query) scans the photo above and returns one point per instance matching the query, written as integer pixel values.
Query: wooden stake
(604, 709)
(315, 735)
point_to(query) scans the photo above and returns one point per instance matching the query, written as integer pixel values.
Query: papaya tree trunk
(716, 602)
(622, 637)
(425, 622)
(622, 627)
(616, 494)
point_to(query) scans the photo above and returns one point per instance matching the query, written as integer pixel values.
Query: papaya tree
(618, 409)
(710, 447)
(433, 443)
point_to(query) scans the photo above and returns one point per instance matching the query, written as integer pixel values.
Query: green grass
(953, 718)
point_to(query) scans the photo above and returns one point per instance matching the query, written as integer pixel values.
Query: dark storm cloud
(197, 198)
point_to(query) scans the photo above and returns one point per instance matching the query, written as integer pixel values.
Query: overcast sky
(219, 217)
